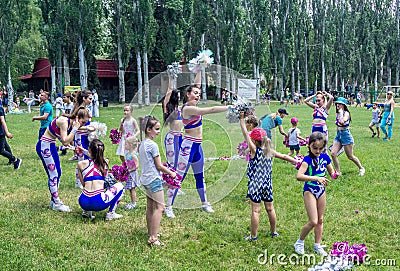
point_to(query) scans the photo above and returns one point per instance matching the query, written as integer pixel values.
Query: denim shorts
(344, 137)
(154, 186)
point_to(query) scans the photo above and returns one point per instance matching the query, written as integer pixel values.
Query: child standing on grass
(128, 127)
(259, 172)
(151, 177)
(294, 137)
(91, 174)
(132, 162)
(313, 173)
(375, 120)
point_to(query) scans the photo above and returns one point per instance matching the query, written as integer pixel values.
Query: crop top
(320, 113)
(55, 130)
(92, 172)
(346, 124)
(192, 122)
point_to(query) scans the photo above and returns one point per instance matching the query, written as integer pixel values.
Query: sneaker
(88, 214)
(60, 207)
(362, 172)
(299, 248)
(130, 205)
(320, 250)
(17, 163)
(10, 162)
(78, 184)
(111, 216)
(250, 238)
(373, 134)
(274, 234)
(169, 212)
(207, 208)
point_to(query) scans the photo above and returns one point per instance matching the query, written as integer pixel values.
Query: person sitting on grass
(91, 174)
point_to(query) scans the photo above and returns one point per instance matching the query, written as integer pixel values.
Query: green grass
(35, 238)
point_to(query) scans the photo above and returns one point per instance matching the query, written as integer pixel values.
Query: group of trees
(300, 44)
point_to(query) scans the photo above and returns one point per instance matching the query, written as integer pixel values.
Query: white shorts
(374, 123)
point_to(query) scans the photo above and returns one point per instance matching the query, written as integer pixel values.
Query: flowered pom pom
(99, 132)
(115, 136)
(173, 183)
(303, 142)
(130, 164)
(242, 105)
(242, 148)
(299, 160)
(286, 142)
(120, 173)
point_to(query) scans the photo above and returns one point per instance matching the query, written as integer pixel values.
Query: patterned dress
(259, 172)
(128, 130)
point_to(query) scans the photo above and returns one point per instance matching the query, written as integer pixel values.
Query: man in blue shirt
(46, 113)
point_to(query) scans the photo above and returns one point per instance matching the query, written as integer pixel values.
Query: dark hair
(147, 122)
(188, 90)
(316, 136)
(345, 109)
(252, 120)
(79, 97)
(80, 112)
(171, 106)
(96, 148)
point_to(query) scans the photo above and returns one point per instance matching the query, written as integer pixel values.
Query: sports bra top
(346, 124)
(320, 113)
(92, 172)
(55, 130)
(192, 122)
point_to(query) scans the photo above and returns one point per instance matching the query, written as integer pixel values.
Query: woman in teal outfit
(388, 116)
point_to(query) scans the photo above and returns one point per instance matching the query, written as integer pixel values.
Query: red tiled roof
(41, 69)
(106, 68)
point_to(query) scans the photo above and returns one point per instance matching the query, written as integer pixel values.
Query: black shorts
(294, 147)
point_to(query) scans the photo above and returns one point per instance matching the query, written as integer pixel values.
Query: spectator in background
(59, 105)
(46, 113)
(268, 122)
(95, 104)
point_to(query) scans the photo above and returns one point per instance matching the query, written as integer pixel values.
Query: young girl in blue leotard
(313, 173)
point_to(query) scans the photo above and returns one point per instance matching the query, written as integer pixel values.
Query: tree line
(295, 44)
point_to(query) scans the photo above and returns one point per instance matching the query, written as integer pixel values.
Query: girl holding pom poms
(128, 127)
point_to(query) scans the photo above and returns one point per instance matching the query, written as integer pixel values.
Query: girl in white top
(128, 127)
(151, 178)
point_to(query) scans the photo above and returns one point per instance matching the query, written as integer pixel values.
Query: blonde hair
(266, 146)
(133, 141)
(130, 107)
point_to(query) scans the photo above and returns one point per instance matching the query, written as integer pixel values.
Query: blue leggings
(388, 133)
(47, 151)
(99, 200)
(172, 142)
(191, 154)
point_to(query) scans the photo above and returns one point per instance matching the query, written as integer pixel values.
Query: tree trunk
(53, 84)
(306, 64)
(67, 78)
(10, 89)
(82, 64)
(59, 73)
(389, 70)
(121, 67)
(146, 79)
(139, 74)
(203, 74)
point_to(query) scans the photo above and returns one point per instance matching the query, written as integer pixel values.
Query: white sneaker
(78, 184)
(362, 172)
(169, 212)
(299, 248)
(130, 205)
(60, 207)
(111, 216)
(88, 214)
(320, 250)
(207, 208)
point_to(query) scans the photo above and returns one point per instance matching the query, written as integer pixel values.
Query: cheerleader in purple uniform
(64, 128)
(91, 174)
(173, 139)
(191, 152)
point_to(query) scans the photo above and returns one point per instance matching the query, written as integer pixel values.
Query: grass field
(33, 237)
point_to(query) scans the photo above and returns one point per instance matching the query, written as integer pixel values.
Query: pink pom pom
(173, 183)
(120, 173)
(115, 136)
(335, 175)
